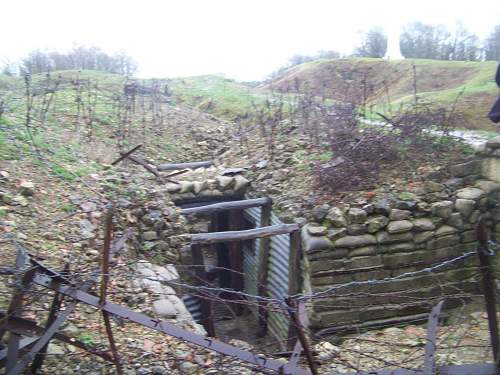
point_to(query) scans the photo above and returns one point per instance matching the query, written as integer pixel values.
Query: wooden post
(206, 302)
(262, 272)
(293, 280)
(488, 284)
(236, 258)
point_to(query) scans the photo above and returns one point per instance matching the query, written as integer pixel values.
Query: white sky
(245, 40)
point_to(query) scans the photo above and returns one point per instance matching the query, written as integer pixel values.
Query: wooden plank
(243, 235)
(293, 281)
(193, 165)
(236, 259)
(262, 272)
(224, 206)
(294, 263)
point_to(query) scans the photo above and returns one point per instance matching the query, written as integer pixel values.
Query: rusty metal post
(104, 288)
(54, 309)
(299, 329)
(430, 347)
(488, 284)
(16, 306)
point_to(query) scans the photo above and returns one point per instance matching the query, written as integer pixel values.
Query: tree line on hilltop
(78, 58)
(420, 41)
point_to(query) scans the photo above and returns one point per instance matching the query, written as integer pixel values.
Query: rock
(432, 187)
(385, 238)
(375, 223)
(149, 236)
(55, 349)
(164, 308)
(423, 224)
(326, 351)
(356, 241)
(494, 143)
(491, 168)
(444, 241)
(233, 171)
(262, 164)
(382, 207)
(397, 214)
(186, 187)
(198, 186)
(319, 212)
(19, 200)
(445, 230)
(488, 186)
(188, 368)
(455, 220)
(336, 217)
(470, 193)
(454, 183)
(369, 208)
(27, 188)
(88, 206)
(465, 169)
(474, 216)
(405, 204)
(159, 370)
(465, 207)
(313, 243)
(336, 233)
(423, 237)
(240, 184)
(399, 226)
(224, 182)
(363, 251)
(356, 216)
(172, 187)
(316, 230)
(357, 229)
(442, 209)
(86, 229)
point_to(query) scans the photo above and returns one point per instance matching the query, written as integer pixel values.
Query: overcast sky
(245, 40)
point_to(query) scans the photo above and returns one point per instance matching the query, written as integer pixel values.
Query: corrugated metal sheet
(277, 273)
(192, 304)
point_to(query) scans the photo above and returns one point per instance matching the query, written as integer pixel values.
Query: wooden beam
(236, 258)
(294, 275)
(193, 165)
(243, 235)
(223, 206)
(263, 267)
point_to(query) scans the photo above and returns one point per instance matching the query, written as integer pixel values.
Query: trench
(234, 266)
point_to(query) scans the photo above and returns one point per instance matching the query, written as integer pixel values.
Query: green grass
(218, 95)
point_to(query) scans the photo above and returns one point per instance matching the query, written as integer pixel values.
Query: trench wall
(404, 232)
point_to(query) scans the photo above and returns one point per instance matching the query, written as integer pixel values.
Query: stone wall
(403, 232)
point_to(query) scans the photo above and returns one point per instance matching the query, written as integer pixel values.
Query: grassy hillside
(392, 82)
(214, 94)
